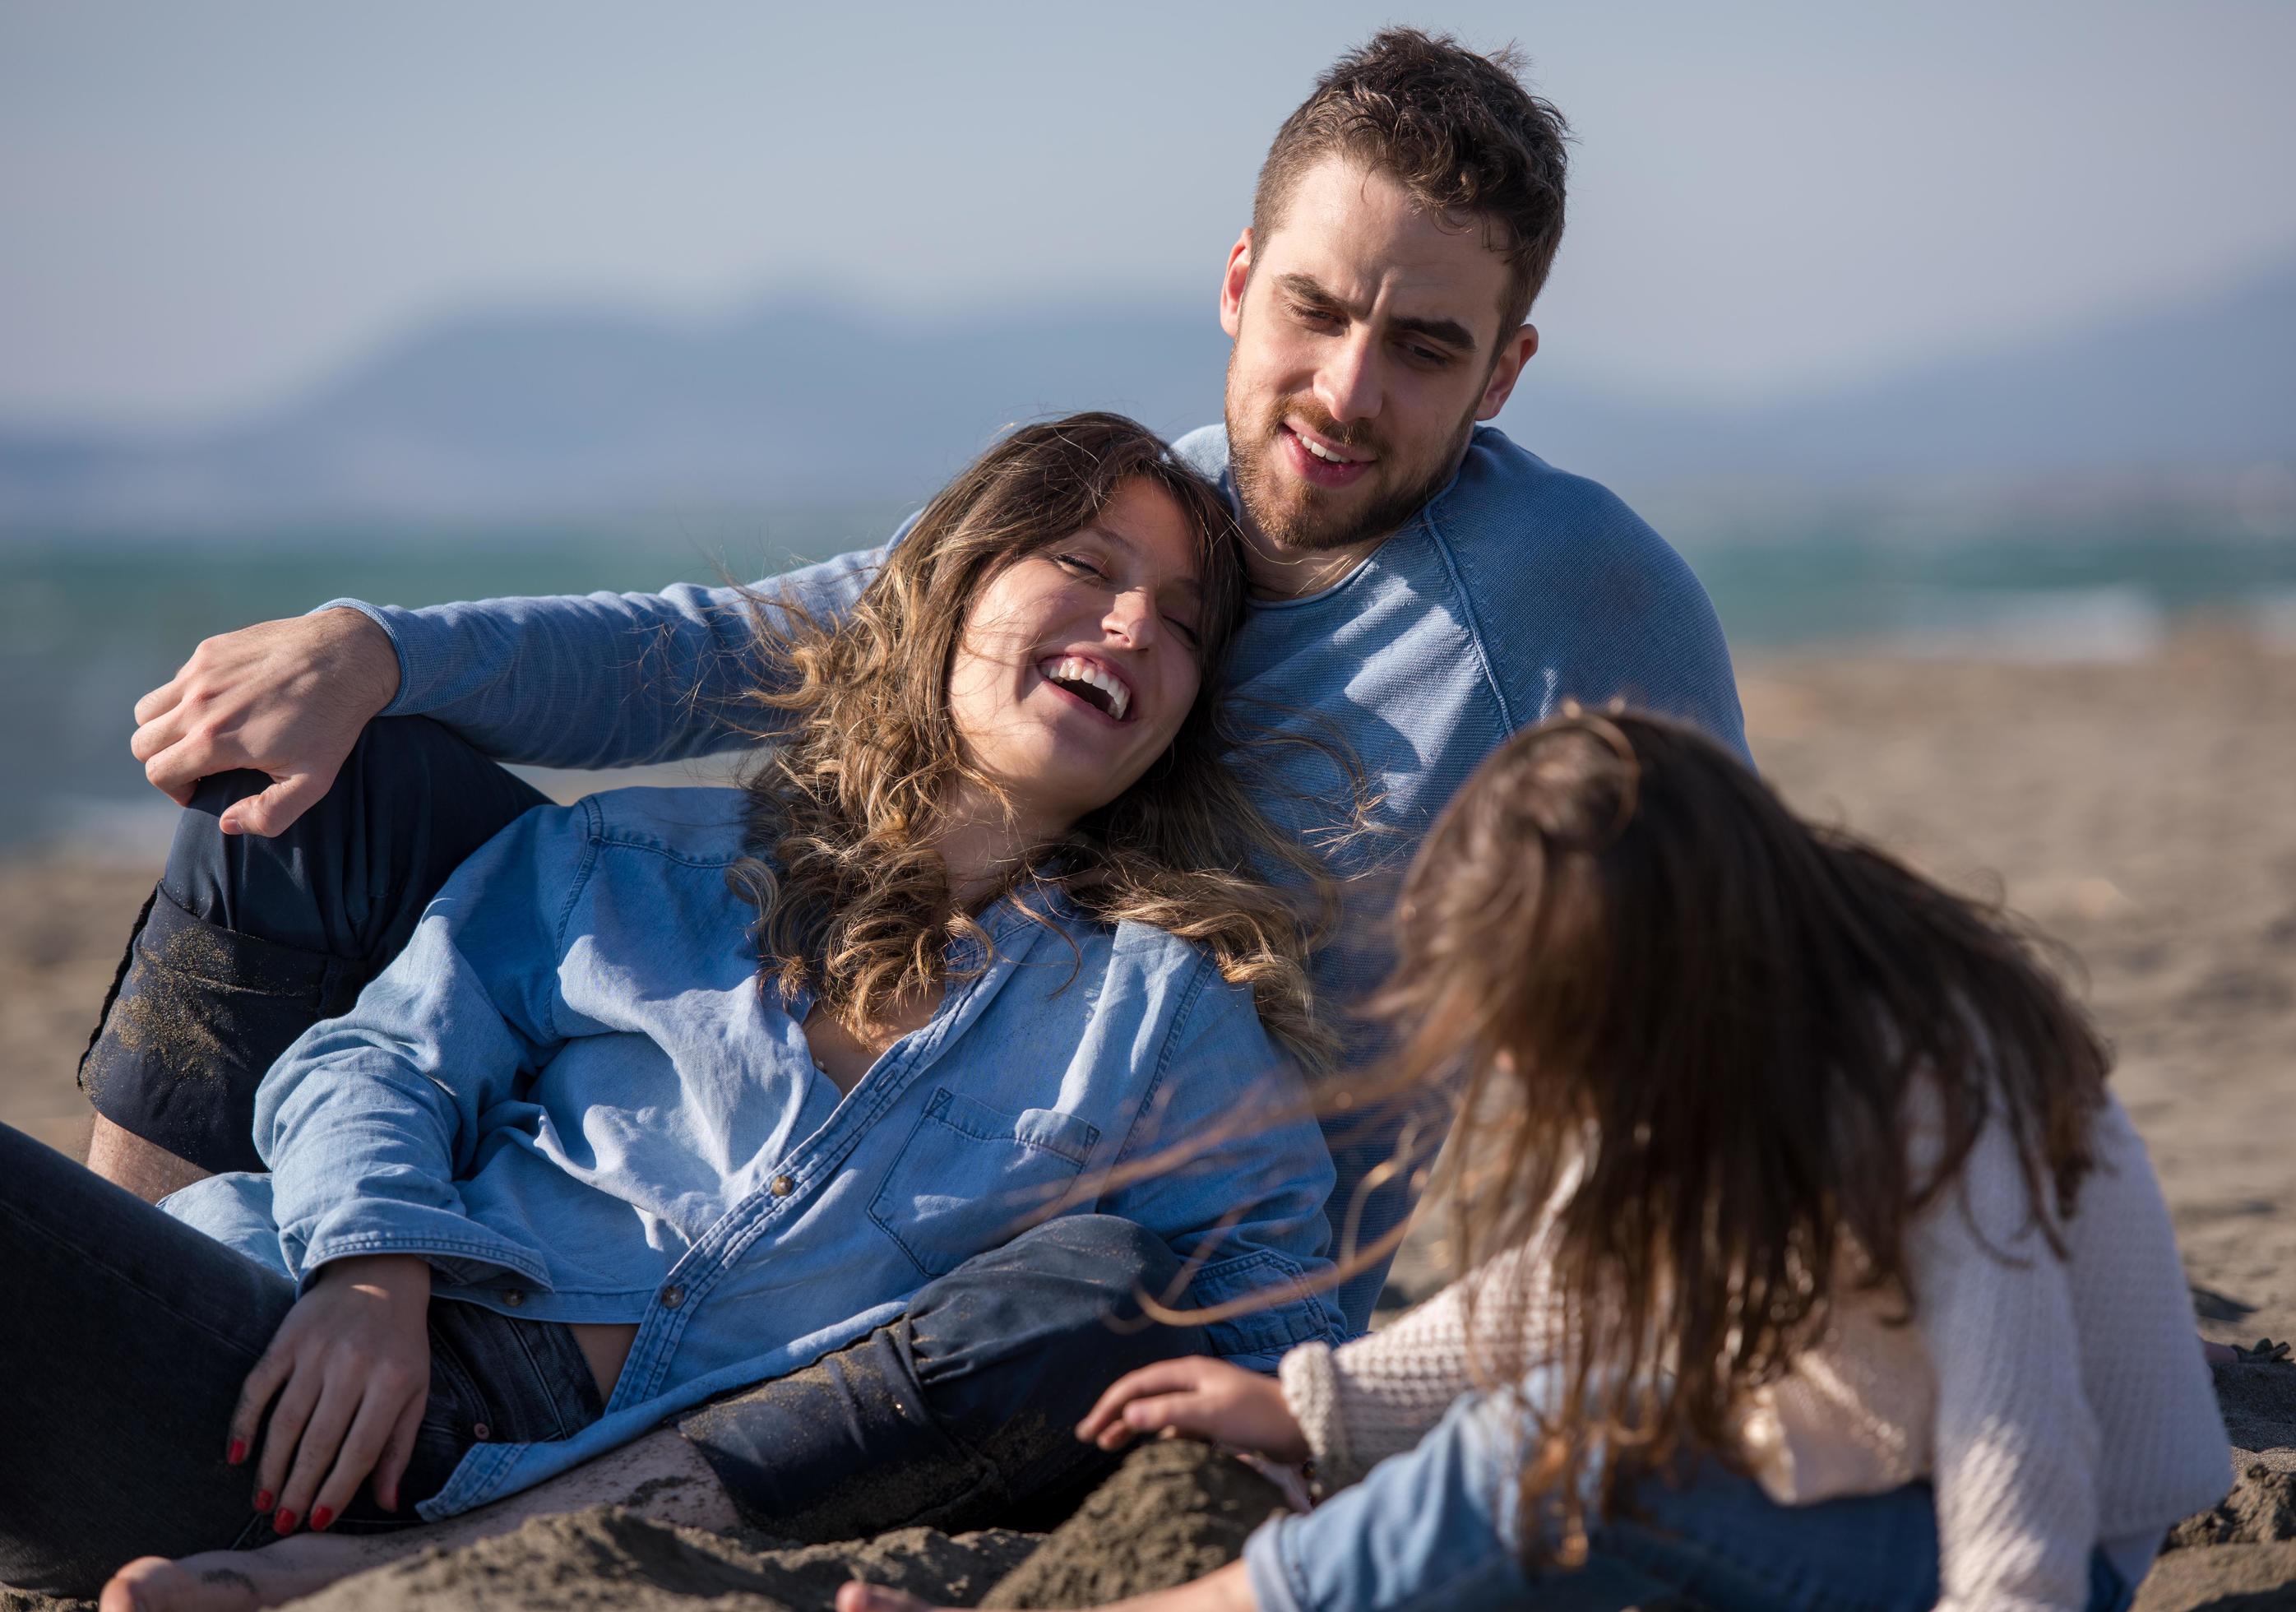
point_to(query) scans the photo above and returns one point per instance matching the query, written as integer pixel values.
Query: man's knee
(248, 941)
(409, 803)
(1058, 1306)
(962, 1413)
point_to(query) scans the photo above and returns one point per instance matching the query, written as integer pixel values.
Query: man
(1423, 588)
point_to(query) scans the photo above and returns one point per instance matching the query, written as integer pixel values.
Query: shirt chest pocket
(972, 1177)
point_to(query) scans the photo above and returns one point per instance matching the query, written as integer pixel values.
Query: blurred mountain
(508, 415)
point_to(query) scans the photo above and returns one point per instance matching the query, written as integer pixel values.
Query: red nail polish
(320, 1517)
(236, 1453)
(283, 1522)
(263, 1500)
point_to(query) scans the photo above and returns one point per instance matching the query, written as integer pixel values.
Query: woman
(677, 1089)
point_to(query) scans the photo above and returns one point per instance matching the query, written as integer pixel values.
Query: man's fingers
(272, 811)
(155, 733)
(166, 698)
(176, 771)
(397, 1452)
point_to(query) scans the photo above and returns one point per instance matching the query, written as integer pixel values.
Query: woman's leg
(248, 941)
(124, 1339)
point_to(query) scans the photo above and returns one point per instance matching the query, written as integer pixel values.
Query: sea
(89, 623)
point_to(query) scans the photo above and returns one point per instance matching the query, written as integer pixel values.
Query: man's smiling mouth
(1090, 682)
(1328, 453)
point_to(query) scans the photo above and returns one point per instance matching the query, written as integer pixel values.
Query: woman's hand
(1201, 1398)
(351, 1369)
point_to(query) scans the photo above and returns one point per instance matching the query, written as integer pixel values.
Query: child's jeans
(1435, 1527)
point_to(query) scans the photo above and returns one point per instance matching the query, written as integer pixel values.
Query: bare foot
(234, 1580)
(660, 1476)
(858, 1597)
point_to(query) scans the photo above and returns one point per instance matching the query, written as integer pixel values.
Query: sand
(2144, 813)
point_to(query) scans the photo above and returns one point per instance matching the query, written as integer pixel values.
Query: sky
(204, 207)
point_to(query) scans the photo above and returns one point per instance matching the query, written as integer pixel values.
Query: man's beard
(1309, 523)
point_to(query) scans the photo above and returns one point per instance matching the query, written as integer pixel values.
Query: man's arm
(591, 680)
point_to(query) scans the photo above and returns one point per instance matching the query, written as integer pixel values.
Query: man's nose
(1347, 382)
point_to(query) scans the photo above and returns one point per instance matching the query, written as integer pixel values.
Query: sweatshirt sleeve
(1378, 1396)
(2016, 1441)
(369, 1122)
(602, 680)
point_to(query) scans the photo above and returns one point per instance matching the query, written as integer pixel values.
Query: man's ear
(1233, 281)
(1514, 352)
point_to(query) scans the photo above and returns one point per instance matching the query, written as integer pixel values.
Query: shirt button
(480, 1432)
(513, 1296)
(782, 1186)
(672, 1296)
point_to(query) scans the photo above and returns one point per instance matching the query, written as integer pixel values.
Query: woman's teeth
(1082, 674)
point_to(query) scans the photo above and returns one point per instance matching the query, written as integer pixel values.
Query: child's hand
(350, 1368)
(1200, 1398)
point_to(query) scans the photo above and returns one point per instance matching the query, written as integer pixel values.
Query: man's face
(1367, 344)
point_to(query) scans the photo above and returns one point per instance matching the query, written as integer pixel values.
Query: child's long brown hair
(1689, 1024)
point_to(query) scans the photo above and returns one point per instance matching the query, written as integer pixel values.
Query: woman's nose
(1132, 615)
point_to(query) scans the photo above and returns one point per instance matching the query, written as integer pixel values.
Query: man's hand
(289, 698)
(351, 1369)
(1197, 1397)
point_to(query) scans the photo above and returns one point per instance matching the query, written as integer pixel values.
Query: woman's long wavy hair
(1689, 1026)
(855, 902)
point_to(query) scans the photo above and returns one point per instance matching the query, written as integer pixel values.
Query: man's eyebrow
(1450, 332)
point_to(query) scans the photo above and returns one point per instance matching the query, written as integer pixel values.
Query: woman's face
(1078, 663)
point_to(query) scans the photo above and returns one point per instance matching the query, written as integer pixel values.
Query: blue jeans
(248, 941)
(1435, 1528)
(124, 1339)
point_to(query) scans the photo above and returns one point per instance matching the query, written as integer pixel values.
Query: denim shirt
(1515, 588)
(572, 1096)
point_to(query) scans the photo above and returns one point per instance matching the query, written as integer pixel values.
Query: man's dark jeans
(969, 1397)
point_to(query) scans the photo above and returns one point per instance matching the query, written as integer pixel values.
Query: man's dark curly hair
(1456, 129)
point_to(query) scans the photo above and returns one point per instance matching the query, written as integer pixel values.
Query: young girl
(674, 1090)
(1813, 1264)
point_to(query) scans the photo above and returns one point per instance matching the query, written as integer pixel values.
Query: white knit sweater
(2054, 1403)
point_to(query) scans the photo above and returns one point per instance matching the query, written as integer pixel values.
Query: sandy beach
(2144, 813)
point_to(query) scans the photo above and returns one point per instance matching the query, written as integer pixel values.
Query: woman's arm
(367, 1121)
